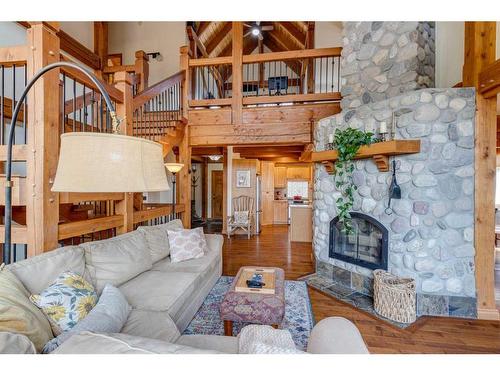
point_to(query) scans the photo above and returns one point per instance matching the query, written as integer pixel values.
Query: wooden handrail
(157, 88)
(113, 92)
(292, 55)
(223, 60)
(78, 228)
(153, 213)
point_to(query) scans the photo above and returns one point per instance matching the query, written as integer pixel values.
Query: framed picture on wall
(243, 178)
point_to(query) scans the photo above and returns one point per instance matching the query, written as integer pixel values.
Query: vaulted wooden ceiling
(214, 38)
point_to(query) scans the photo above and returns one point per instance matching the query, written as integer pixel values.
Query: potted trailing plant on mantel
(347, 143)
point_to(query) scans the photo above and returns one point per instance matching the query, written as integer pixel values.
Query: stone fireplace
(387, 68)
(366, 246)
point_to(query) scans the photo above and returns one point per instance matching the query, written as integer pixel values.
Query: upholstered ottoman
(253, 307)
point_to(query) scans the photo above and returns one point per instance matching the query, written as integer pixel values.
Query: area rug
(298, 319)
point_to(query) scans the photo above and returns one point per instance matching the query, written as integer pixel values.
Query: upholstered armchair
(242, 217)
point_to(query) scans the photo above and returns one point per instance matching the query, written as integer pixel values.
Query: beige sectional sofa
(164, 296)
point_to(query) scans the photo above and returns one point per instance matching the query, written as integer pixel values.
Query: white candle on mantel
(330, 138)
(383, 127)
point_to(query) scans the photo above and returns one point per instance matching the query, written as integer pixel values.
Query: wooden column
(225, 188)
(237, 84)
(101, 42)
(310, 62)
(479, 52)
(142, 68)
(184, 179)
(186, 89)
(42, 205)
(204, 184)
(124, 111)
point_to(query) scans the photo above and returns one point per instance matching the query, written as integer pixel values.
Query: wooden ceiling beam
(215, 40)
(298, 149)
(298, 35)
(205, 151)
(202, 26)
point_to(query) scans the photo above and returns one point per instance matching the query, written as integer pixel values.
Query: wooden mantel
(380, 152)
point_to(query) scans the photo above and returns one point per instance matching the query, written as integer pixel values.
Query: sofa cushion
(66, 301)
(157, 238)
(15, 343)
(160, 291)
(119, 343)
(152, 324)
(18, 314)
(39, 272)
(186, 244)
(223, 344)
(109, 315)
(117, 260)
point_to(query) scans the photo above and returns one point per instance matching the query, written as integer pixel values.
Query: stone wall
(431, 232)
(385, 59)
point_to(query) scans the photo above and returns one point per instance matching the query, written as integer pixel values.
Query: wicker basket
(394, 297)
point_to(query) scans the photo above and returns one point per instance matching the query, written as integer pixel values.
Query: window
(297, 188)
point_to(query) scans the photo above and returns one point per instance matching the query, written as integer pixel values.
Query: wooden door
(217, 197)
(280, 212)
(267, 192)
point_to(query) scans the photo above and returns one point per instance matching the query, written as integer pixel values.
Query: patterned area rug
(298, 314)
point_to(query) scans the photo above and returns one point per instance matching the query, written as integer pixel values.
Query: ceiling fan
(256, 29)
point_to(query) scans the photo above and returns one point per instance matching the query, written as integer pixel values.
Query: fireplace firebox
(366, 246)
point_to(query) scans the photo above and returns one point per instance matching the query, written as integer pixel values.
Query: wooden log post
(184, 157)
(479, 52)
(101, 44)
(186, 87)
(124, 110)
(42, 205)
(142, 69)
(237, 84)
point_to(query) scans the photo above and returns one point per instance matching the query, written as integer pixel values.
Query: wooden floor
(428, 335)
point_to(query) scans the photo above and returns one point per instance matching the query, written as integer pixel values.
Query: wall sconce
(155, 56)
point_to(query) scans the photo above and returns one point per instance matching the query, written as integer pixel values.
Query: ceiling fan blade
(247, 25)
(261, 37)
(267, 28)
(258, 23)
(247, 33)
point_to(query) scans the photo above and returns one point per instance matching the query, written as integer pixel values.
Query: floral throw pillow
(66, 301)
(186, 244)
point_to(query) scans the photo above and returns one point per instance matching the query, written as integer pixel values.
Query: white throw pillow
(187, 244)
(240, 216)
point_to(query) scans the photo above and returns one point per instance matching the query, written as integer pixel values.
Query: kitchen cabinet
(298, 173)
(267, 178)
(300, 223)
(280, 177)
(280, 212)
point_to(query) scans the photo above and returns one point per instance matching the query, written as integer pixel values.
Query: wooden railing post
(186, 87)
(142, 69)
(125, 207)
(480, 38)
(42, 205)
(237, 85)
(183, 178)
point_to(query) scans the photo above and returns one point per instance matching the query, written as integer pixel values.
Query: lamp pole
(10, 141)
(173, 193)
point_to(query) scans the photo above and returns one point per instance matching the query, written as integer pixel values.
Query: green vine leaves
(347, 143)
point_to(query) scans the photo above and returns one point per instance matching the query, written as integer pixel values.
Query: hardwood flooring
(428, 335)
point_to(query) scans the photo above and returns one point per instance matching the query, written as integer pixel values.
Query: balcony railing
(268, 78)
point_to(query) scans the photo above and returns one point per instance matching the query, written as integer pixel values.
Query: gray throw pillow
(157, 238)
(108, 316)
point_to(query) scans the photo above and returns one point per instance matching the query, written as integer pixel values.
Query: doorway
(217, 194)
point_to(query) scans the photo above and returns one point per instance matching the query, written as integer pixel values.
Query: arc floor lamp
(122, 163)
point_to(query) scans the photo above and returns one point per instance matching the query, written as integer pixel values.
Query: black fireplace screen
(366, 246)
